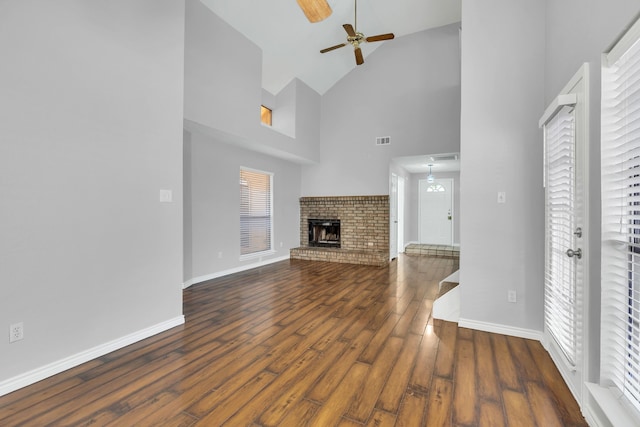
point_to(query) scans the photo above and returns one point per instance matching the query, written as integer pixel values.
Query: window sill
(257, 255)
(606, 407)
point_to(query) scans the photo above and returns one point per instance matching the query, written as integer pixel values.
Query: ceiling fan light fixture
(315, 10)
(355, 38)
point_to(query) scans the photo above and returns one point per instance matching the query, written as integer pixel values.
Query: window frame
(620, 212)
(269, 199)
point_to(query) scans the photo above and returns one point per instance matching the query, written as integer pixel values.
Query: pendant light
(430, 177)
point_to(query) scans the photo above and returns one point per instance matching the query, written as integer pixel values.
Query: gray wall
(223, 92)
(408, 89)
(91, 130)
(503, 44)
(213, 216)
(223, 131)
(503, 97)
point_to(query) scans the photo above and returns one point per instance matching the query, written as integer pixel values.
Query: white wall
(213, 215)
(408, 89)
(90, 131)
(503, 45)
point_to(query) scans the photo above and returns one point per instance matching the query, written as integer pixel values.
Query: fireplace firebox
(324, 233)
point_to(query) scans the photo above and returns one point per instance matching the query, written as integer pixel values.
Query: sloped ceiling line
(291, 44)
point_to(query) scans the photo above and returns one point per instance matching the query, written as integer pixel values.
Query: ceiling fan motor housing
(356, 40)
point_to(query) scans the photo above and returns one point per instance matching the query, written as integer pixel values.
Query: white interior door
(393, 218)
(436, 211)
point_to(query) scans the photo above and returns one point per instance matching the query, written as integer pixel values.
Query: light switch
(502, 197)
(166, 196)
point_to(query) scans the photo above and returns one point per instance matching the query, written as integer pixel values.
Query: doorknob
(577, 253)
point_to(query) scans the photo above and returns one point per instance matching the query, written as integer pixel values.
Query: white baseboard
(501, 329)
(62, 365)
(223, 273)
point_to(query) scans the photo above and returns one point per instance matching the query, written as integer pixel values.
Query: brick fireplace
(363, 229)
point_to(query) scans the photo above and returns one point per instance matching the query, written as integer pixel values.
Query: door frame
(401, 206)
(393, 217)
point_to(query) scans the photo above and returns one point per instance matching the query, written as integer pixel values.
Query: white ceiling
(444, 162)
(291, 44)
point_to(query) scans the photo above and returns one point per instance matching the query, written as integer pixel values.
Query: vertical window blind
(255, 211)
(620, 344)
(560, 270)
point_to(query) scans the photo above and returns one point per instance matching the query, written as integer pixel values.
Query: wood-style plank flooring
(302, 343)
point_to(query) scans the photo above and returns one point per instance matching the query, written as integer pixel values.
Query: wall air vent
(383, 140)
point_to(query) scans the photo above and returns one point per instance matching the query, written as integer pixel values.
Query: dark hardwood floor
(305, 343)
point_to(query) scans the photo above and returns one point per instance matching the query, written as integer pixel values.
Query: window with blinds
(256, 219)
(620, 345)
(560, 270)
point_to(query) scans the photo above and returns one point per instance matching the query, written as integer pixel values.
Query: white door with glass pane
(436, 211)
(564, 125)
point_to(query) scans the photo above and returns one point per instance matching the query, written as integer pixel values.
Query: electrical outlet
(16, 332)
(219, 255)
(511, 296)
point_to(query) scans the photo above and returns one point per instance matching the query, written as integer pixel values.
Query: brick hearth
(364, 229)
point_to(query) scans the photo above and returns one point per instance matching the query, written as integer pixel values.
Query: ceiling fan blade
(380, 37)
(359, 58)
(329, 49)
(315, 10)
(349, 29)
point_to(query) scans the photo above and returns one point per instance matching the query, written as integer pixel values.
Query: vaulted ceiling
(291, 44)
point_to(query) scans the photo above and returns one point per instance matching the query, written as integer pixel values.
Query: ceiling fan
(355, 38)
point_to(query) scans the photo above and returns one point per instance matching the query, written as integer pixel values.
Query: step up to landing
(446, 287)
(447, 303)
(439, 251)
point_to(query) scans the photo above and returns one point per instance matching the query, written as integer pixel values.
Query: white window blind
(255, 211)
(560, 270)
(620, 344)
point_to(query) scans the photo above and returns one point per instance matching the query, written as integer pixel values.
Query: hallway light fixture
(430, 177)
(315, 10)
